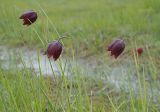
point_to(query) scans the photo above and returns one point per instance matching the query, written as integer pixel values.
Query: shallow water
(29, 59)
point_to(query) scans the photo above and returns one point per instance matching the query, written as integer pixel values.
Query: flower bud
(54, 49)
(139, 51)
(28, 17)
(116, 47)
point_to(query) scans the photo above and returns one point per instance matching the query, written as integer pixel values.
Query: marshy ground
(85, 78)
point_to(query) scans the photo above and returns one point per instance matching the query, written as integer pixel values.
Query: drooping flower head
(116, 47)
(139, 51)
(54, 49)
(28, 17)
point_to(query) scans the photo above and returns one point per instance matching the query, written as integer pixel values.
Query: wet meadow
(80, 56)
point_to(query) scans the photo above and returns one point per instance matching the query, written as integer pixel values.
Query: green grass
(91, 24)
(22, 90)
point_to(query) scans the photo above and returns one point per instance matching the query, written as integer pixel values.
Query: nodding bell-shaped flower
(54, 50)
(139, 51)
(28, 17)
(116, 47)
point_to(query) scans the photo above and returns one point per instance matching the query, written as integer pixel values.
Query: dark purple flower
(54, 50)
(28, 17)
(116, 47)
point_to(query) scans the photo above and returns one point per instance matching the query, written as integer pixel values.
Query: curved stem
(62, 37)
